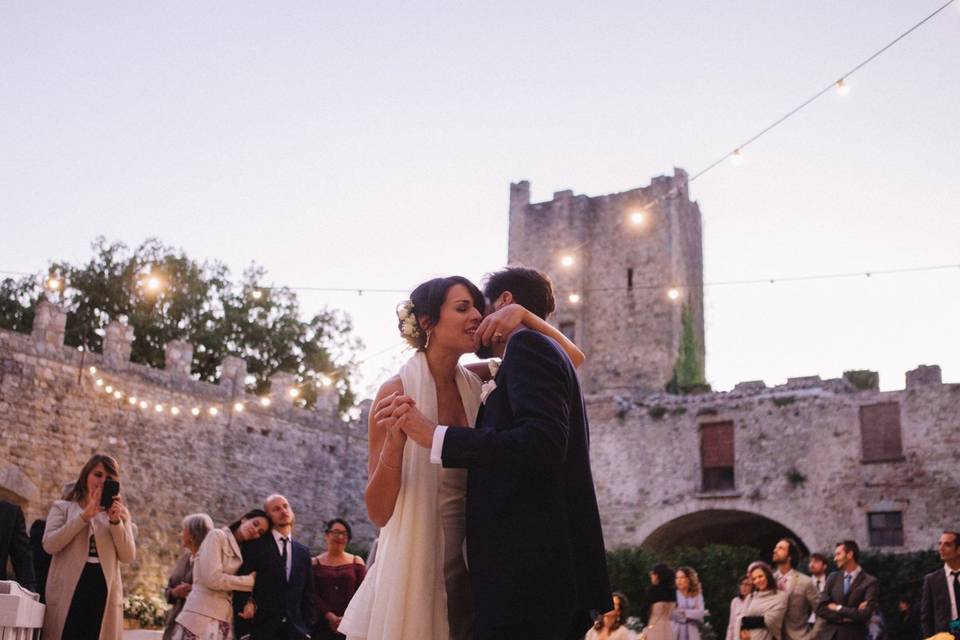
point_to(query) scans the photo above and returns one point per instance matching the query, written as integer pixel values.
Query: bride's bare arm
(385, 458)
(508, 318)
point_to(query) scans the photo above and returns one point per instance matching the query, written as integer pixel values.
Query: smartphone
(111, 488)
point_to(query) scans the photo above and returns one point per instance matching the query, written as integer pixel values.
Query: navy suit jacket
(534, 542)
(279, 601)
(15, 545)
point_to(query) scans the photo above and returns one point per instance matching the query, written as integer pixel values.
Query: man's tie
(956, 589)
(847, 580)
(283, 556)
(820, 585)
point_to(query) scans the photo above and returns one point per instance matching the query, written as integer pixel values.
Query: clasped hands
(399, 417)
(116, 513)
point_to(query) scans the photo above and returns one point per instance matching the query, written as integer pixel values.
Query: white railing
(21, 614)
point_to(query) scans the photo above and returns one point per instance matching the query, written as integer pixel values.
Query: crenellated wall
(56, 410)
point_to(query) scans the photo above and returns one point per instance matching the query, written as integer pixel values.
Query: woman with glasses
(336, 577)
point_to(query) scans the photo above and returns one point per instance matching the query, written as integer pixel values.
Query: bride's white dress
(417, 588)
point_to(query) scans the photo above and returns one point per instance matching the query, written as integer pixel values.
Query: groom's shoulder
(528, 341)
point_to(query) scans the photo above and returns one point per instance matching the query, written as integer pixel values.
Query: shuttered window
(880, 432)
(716, 456)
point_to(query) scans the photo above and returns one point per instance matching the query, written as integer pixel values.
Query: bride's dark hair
(427, 300)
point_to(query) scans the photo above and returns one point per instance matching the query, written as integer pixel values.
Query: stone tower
(614, 261)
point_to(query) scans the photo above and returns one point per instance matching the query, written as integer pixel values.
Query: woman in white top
(418, 589)
(208, 611)
(744, 589)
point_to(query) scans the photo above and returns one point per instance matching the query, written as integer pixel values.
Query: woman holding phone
(89, 533)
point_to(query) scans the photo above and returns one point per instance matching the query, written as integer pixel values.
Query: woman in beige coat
(208, 612)
(763, 610)
(88, 543)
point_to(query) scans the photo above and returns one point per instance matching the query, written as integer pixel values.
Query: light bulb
(574, 298)
(842, 87)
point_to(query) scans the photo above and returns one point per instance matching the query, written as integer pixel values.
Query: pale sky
(371, 145)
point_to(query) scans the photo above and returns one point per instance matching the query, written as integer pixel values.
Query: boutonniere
(487, 387)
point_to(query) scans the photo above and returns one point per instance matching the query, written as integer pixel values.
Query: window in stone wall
(880, 432)
(886, 528)
(630, 279)
(716, 456)
(569, 329)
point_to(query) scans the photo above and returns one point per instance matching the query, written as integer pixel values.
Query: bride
(418, 587)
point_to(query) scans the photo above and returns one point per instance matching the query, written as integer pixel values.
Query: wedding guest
(41, 559)
(764, 609)
(941, 589)
(15, 545)
(336, 577)
(658, 604)
(609, 626)
(849, 598)
(907, 620)
(802, 593)
(88, 542)
(744, 589)
(688, 617)
(208, 612)
(194, 529)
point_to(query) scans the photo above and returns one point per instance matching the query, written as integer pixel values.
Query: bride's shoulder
(392, 385)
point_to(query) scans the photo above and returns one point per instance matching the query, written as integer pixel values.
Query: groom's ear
(504, 299)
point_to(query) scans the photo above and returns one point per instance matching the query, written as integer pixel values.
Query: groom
(534, 544)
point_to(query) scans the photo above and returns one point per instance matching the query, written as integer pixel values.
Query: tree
(164, 295)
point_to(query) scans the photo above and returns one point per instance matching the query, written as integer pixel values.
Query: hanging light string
(838, 84)
(715, 283)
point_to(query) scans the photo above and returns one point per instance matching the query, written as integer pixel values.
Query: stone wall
(798, 462)
(55, 412)
(627, 324)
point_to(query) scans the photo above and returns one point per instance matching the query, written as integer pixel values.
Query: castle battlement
(173, 387)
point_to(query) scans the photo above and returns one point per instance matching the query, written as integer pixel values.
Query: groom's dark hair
(529, 287)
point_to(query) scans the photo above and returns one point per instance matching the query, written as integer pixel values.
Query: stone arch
(16, 487)
(723, 525)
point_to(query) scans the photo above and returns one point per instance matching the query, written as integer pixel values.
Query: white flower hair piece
(409, 327)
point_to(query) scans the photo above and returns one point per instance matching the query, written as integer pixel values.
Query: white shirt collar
(948, 570)
(853, 574)
(277, 535)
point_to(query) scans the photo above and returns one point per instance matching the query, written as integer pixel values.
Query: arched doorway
(720, 526)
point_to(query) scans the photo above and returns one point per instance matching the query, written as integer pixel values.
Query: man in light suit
(941, 589)
(802, 595)
(850, 597)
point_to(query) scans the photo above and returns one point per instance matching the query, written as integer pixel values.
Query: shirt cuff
(436, 451)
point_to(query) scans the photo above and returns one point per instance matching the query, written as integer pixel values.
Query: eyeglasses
(337, 532)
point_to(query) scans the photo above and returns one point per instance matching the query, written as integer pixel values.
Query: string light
(637, 218)
(736, 157)
(154, 283)
(264, 402)
(256, 294)
(144, 404)
(109, 389)
(574, 298)
(326, 380)
(238, 406)
(158, 408)
(100, 382)
(93, 370)
(213, 411)
(567, 261)
(195, 411)
(673, 294)
(117, 394)
(294, 393)
(54, 284)
(842, 87)
(175, 411)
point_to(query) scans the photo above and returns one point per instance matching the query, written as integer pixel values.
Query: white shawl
(403, 596)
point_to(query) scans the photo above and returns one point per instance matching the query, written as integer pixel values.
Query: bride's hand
(499, 324)
(389, 417)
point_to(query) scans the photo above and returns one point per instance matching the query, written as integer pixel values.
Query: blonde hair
(694, 579)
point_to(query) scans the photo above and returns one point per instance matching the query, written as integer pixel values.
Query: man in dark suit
(534, 543)
(849, 598)
(941, 589)
(283, 594)
(15, 545)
